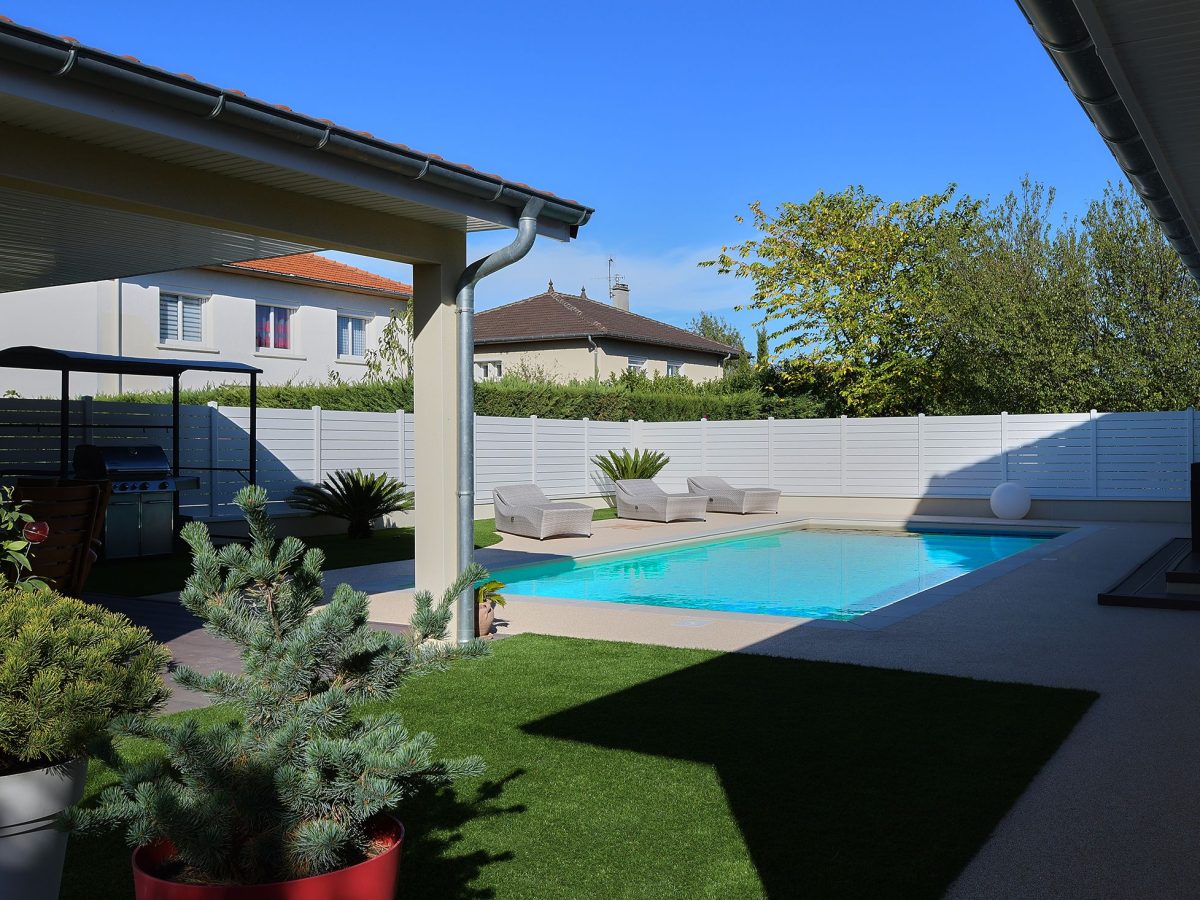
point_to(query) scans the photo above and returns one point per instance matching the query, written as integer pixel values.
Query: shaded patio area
(187, 640)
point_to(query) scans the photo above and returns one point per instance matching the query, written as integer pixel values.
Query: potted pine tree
(296, 796)
(67, 668)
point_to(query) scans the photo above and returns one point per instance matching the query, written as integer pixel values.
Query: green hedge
(652, 400)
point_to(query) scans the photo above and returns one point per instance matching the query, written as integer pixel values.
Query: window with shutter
(180, 319)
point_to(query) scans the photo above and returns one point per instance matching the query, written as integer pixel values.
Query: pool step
(1168, 579)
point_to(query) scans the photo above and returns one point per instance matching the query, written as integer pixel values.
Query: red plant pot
(372, 879)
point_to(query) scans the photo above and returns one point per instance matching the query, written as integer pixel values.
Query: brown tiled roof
(555, 316)
(322, 270)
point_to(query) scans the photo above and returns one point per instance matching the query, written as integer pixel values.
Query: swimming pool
(817, 573)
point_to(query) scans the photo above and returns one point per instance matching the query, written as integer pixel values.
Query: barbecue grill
(141, 513)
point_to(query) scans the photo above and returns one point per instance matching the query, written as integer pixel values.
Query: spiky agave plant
(620, 465)
(356, 496)
(288, 788)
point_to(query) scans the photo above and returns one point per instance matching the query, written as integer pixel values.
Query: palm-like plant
(358, 497)
(620, 465)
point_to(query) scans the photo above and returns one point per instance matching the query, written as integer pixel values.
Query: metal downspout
(465, 308)
(595, 359)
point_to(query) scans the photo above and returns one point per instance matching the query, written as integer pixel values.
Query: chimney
(620, 295)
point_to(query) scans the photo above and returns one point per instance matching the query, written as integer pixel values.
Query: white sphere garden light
(1010, 500)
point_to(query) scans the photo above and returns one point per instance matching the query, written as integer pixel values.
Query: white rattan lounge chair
(641, 498)
(524, 510)
(722, 497)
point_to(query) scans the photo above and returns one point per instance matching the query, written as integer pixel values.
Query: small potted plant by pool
(294, 795)
(67, 668)
(487, 598)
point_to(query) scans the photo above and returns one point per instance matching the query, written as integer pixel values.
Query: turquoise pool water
(813, 573)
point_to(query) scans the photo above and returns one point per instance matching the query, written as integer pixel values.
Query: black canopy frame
(68, 361)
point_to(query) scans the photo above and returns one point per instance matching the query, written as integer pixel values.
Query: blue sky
(668, 118)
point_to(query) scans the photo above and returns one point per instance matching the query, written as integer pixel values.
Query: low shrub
(67, 669)
(356, 496)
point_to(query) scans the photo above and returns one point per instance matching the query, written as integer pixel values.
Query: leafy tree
(1146, 311)
(392, 356)
(956, 306)
(851, 280)
(1017, 330)
(716, 328)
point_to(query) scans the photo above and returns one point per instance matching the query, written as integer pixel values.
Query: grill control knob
(162, 485)
(124, 485)
(143, 486)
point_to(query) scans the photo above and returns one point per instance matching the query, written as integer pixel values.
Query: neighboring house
(298, 318)
(572, 337)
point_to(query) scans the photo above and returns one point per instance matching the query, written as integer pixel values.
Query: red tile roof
(554, 316)
(321, 269)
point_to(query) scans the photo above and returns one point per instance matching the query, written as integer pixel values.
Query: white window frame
(293, 332)
(179, 340)
(484, 370)
(678, 367)
(366, 324)
(636, 364)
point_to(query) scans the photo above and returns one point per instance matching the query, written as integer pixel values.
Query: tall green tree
(852, 283)
(719, 329)
(953, 306)
(716, 328)
(762, 348)
(1146, 309)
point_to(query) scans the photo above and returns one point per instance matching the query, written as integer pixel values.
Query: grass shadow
(845, 781)
(434, 865)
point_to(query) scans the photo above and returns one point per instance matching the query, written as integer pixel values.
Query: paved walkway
(1115, 813)
(187, 640)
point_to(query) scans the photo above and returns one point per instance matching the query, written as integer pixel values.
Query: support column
(435, 423)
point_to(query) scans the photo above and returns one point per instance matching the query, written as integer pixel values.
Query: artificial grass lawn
(139, 577)
(624, 770)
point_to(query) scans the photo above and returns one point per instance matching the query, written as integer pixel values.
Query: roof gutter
(66, 58)
(465, 307)
(1065, 36)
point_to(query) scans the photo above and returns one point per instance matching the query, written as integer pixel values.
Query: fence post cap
(316, 409)
(212, 404)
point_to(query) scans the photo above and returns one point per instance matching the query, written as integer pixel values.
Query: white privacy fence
(1142, 456)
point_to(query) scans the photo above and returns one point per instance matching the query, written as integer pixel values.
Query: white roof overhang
(111, 168)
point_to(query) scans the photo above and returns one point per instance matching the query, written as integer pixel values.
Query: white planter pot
(32, 850)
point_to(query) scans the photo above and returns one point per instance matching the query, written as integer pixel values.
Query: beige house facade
(570, 337)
